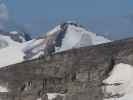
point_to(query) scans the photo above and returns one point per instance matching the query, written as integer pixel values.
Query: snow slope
(11, 55)
(119, 85)
(6, 41)
(72, 35)
(11, 45)
(14, 48)
(34, 48)
(19, 52)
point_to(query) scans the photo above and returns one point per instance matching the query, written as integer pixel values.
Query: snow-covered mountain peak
(64, 26)
(63, 37)
(70, 35)
(72, 23)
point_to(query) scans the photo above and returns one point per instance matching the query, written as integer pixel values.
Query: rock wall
(77, 73)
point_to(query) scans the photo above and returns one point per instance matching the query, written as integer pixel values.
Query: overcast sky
(113, 18)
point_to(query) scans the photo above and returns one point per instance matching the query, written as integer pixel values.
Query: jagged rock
(77, 73)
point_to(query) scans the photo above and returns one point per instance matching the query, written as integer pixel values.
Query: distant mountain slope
(63, 37)
(12, 38)
(11, 45)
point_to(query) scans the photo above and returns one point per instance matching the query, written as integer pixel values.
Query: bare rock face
(75, 74)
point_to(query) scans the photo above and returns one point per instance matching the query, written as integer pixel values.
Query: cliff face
(77, 73)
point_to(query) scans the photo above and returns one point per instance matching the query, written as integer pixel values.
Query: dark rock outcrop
(77, 73)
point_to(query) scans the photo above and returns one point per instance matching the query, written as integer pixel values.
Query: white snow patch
(76, 37)
(71, 39)
(11, 55)
(15, 52)
(3, 89)
(51, 96)
(6, 41)
(99, 40)
(122, 75)
(10, 51)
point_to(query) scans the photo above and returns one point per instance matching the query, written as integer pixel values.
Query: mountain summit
(70, 35)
